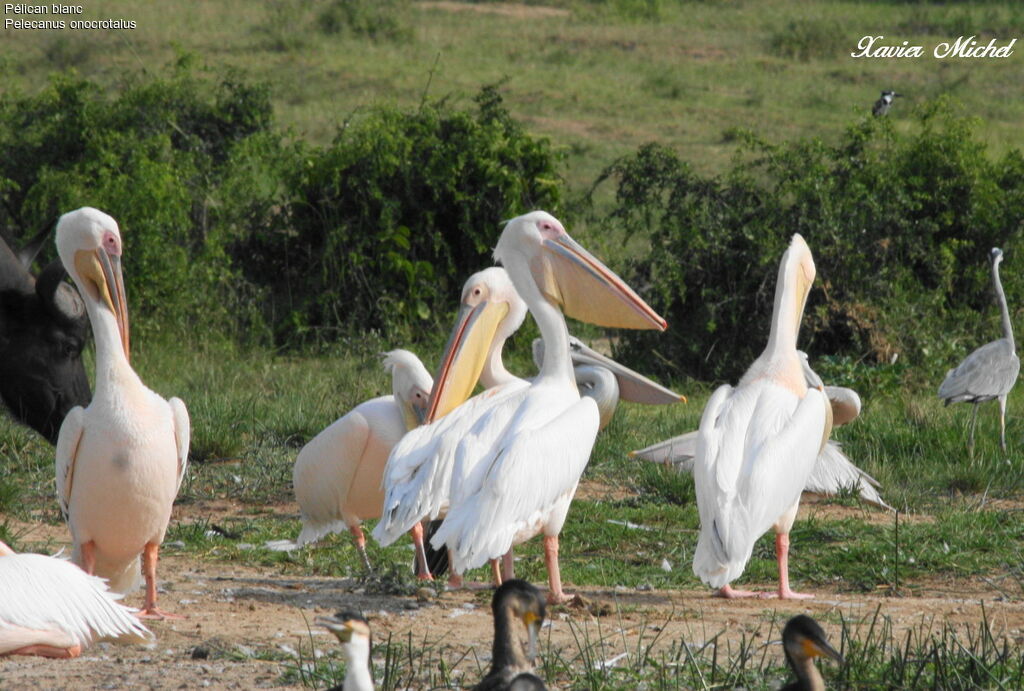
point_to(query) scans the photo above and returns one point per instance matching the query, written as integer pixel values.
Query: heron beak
(587, 290)
(633, 386)
(819, 647)
(105, 284)
(464, 356)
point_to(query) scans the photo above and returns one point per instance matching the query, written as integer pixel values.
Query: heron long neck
(557, 364)
(1003, 309)
(113, 372)
(357, 654)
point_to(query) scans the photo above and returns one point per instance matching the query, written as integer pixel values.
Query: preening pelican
(990, 371)
(757, 444)
(511, 668)
(418, 473)
(121, 460)
(52, 608)
(337, 474)
(606, 381)
(522, 455)
(833, 471)
(802, 641)
(353, 632)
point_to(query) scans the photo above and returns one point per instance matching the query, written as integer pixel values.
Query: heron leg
(360, 540)
(1002, 423)
(974, 419)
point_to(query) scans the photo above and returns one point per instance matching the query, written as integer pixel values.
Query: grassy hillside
(600, 78)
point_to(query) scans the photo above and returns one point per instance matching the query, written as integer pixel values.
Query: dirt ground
(250, 613)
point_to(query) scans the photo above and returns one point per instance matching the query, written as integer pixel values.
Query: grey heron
(883, 103)
(990, 371)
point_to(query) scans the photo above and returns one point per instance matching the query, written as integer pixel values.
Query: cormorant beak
(588, 290)
(819, 647)
(532, 622)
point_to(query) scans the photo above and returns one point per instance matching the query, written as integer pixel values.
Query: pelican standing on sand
(990, 371)
(50, 607)
(523, 455)
(757, 444)
(337, 474)
(121, 460)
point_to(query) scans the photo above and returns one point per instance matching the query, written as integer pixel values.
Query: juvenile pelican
(990, 371)
(121, 460)
(517, 467)
(606, 381)
(510, 666)
(757, 444)
(337, 474)
(52, 608)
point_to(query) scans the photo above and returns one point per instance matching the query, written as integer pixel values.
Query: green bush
(900, 226)
(388, 221)
(152, 156)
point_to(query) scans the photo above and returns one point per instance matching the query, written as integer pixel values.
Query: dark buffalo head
(43, 327)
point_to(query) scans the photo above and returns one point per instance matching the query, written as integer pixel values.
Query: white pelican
(606, 381)
(353, 632)
(757, 444)
(833, 470)
(337, 474)
(416, 487)
(120, 461)
(521, 455)
(52, 608)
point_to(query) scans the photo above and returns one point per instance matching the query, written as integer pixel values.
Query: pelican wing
(678, 451)
(513, 490)
(417, 478)
(40, 593)
(833, 472)
(70, 436)
(754, 454)
(182, 436)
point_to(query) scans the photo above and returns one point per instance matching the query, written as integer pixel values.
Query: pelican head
(410, 385)
(490, 312)
(89, 245)
(796, 274)
(570, 277)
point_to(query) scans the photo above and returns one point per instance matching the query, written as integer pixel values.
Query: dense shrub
(386, 222)
(900, 224)
(152, 157)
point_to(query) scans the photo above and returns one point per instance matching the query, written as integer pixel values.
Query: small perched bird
(50, 607)
(120, 461)
(353, 632)
(990, 371)
(511, 667)
(758, 442)
(337, 474)
(803, 640)
(883, 103)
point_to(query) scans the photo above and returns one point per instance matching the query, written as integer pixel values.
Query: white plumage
(757, 443)
(50, 602)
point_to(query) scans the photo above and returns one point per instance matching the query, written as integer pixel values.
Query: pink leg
(508, 566)
(782, 555)
(89, 557)
(422, 570)
(149, 609)
(360, 540)
(555, 594)
(727, 592)
(496, 572)
(48, 651)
